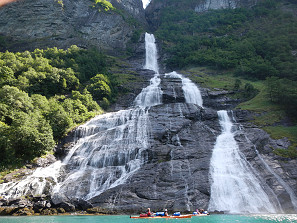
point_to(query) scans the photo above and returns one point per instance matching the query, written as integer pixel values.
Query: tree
(272, 84)
(30, 135)
(99, 87)
(249, 91)
(16, 99)
(237, 85)
(59, 120)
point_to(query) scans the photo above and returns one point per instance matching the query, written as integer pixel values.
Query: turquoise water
(126, 219)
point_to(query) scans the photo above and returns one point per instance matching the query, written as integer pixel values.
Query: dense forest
(44, 94)
(258, 43)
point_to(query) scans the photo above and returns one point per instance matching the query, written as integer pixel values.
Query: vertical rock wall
(48, 23)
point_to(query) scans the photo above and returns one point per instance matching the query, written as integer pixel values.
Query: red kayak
(173, 217)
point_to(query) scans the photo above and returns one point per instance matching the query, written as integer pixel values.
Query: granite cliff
(48, 23)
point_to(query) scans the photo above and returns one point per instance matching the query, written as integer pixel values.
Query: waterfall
(234, 188)
(151, 55)
(191, 91)
(108, 151)
(145, 3)
(152, 94)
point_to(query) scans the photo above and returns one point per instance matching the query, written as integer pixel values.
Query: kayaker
(149, 213)
(165, 212)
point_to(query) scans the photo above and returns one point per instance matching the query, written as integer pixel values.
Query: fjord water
(235, 188)
(126, 219)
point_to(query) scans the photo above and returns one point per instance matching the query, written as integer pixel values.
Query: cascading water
(151, 55)
(235, 188)
(287, 188)
(152, 94)
(191, 91)
(145, 3)
(108, 151)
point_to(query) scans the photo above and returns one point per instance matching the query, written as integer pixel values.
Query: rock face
(49, 23)
(223, 4)
(175, 175)
(153, 11)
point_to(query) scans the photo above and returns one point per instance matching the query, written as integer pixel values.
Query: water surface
(126, 219)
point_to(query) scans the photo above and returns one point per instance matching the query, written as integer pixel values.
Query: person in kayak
(165, 212)
(149, 213)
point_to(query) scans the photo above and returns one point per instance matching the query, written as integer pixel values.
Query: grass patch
(206, 77)
(268, 115)
(278, 132)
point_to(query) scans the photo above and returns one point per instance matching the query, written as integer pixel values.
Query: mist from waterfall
(108, 150)
(234, 186)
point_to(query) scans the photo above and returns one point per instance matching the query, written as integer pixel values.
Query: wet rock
(61, 210)
(81, 204)
(40, 204)
(49, 211)
(24, 212)
(172, 90)
(3, 202)
(68, 207)
(45, 161)
(99, 210)
(8, 210)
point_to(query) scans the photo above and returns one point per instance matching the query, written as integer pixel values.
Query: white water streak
(151, 55)
(191, 91)
(145, 3)
(152, 94)
(234, 188)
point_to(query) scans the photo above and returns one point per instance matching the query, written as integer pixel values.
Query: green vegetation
(269, 115)
(45, 93)
(103, 5)
(60, 2)
(255, 44)
(249, 50)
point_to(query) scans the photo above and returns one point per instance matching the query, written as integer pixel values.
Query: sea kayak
(198, 215)
(157, 217)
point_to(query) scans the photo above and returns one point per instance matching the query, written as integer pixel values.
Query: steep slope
(154, 9)
(47, 23)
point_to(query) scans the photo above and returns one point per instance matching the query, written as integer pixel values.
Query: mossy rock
(24, 212)
(99, 210)
(61, 210)
(8, 210)
(49, 211)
